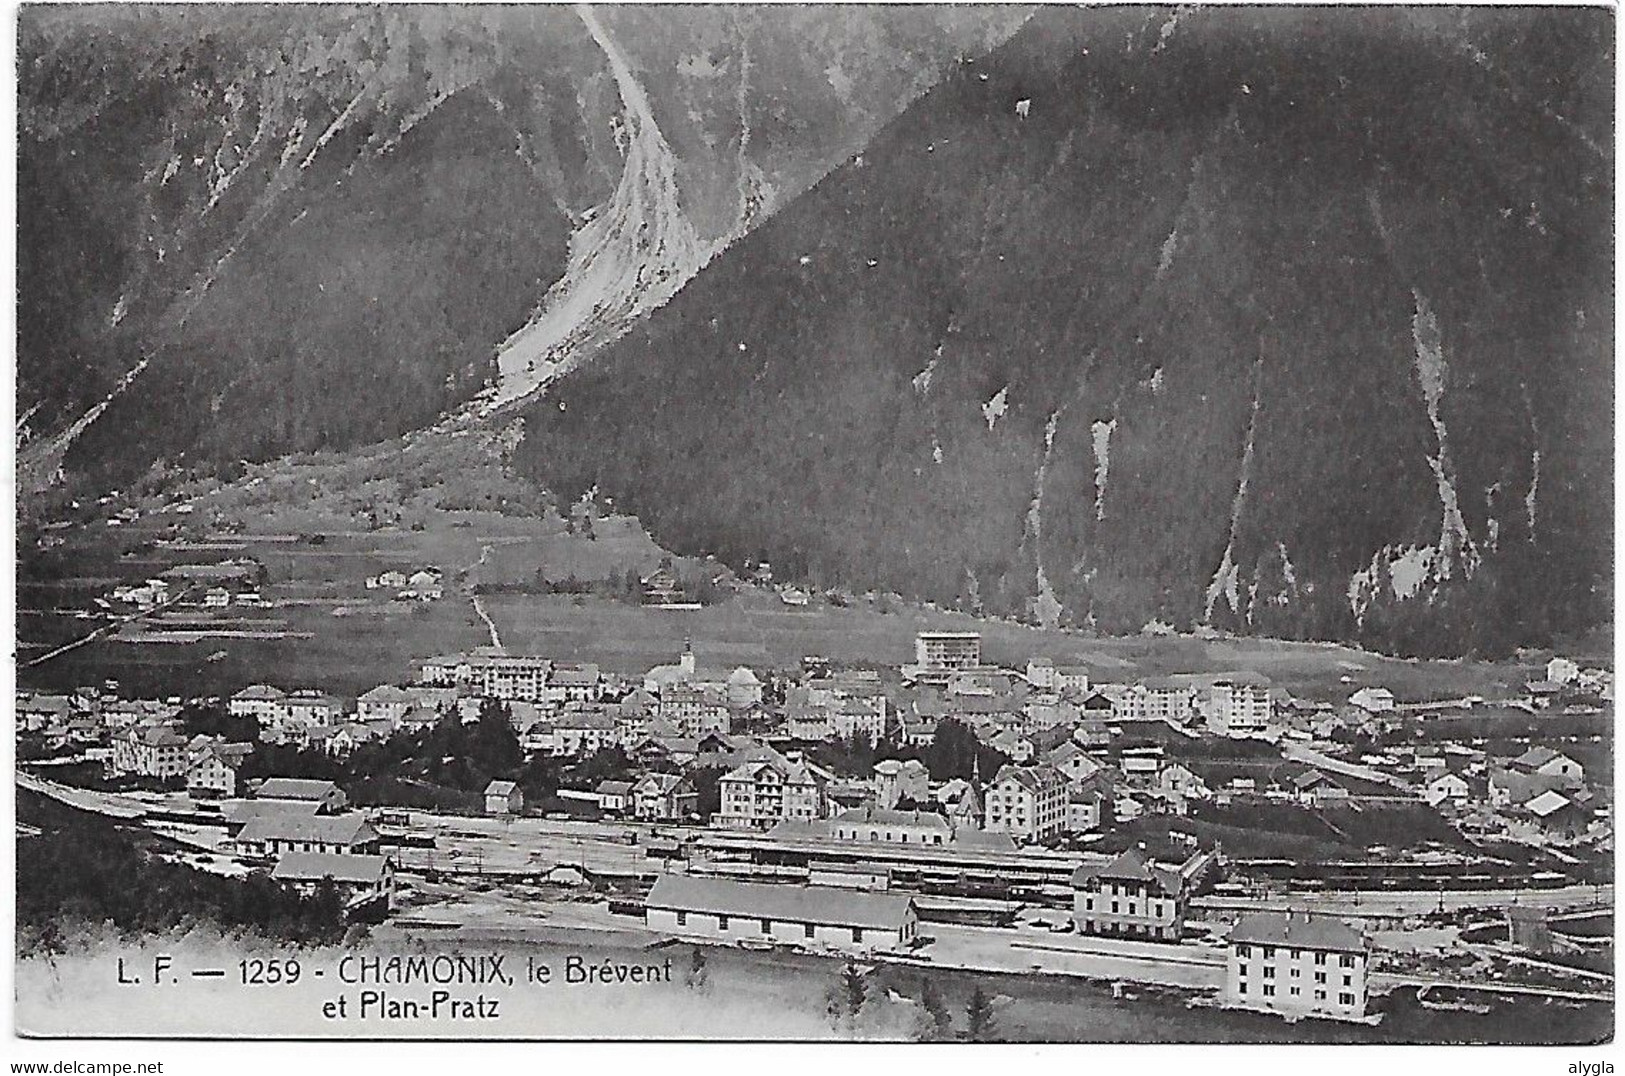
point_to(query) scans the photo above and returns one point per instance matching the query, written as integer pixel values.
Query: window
(1320, 958)
(767, 926)
(1131, 907)
(1088, 904)
(1345, 961)
(1243, 951)
(1345, 999)
(1348, 980)
(1320, 995)
(857, 934)
(1241, 970)
(1269, 991)
(1320, 976)
(1269, 952)
(1269, 972)
(1297, 954)
(1241, 988)
(682, 919)
(1295, 973)
(809, 930)
(722, 922)
(1114, 907)
(1295, 991)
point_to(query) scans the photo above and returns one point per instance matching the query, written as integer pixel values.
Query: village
(1207, 832)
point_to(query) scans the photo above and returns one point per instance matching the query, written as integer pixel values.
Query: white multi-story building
(1295, 963)
(259, 701)
(940, 650)
(386, 702)
(1166, 699)
(1239, 705)
(151, 751)
(507, 676)
(1027, 802)
(759, 794)
(694, 710)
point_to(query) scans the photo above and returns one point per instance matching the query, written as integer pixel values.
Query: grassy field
(445, 499)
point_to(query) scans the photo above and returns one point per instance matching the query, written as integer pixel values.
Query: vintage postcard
(934, 523)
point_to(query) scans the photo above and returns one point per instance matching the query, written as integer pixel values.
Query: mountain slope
(258, 230)
(1284, 321)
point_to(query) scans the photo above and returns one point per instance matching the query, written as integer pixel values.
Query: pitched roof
(1299, 930)
(1547, 804)
(260, 691)
(614, 788)
(294, 788)
(881, 817)
(1536, 757)
(500, 788)
(1131, 866)
(348, 829)
(387, 693)
(793, 903)
(1033, 778)
(339, 866)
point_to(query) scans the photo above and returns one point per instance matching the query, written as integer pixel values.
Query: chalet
(1178, 779)
(1129, 897)
(327, 797)
(663, 797)
(1557, 817)
(798, 915)
(278, 833)
(1548, 763)
(1298, 965)
(1312, 787)
(503, 798)
(1446, 789)
(357, 877)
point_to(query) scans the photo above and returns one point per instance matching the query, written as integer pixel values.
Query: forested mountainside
(1283, 321)
(253, 230)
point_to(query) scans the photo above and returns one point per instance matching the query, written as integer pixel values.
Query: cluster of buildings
(1072, 764)
(409, 584)
(211, 586)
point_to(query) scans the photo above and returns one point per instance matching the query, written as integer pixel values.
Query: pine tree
(942, 1021)
(979, 1016)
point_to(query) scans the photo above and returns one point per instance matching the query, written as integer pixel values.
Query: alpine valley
(1290, 322)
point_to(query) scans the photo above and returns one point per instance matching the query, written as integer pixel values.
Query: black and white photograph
(813, 523)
